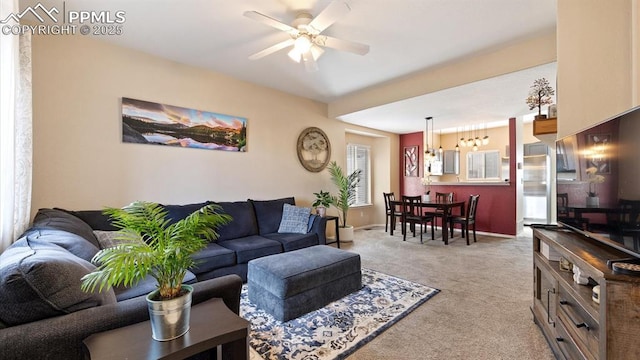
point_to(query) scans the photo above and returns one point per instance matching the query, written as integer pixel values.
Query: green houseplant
(150, 245)
(346, 185)
(322, 203)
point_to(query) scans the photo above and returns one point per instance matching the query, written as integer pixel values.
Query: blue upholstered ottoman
(294, 283)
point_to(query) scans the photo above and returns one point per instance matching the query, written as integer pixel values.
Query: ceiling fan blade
(271, 49)
(330, 14)
(309, 62)
(271, 22)
(344, 45)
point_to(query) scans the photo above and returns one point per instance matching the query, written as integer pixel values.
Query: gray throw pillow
(295, 219)
(39, 280)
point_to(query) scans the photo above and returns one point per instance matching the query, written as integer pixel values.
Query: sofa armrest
(61, 337)
(319, 227)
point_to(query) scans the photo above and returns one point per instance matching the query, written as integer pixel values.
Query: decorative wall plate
(314, 149)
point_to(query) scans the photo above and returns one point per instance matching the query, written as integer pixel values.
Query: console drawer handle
(578, 325)
(549, 292)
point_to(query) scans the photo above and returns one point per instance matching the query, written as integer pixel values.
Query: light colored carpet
(482, 311)
(341, 327)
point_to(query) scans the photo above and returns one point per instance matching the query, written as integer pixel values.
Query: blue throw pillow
(294, 219)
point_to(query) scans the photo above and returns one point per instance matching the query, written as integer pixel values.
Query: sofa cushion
(252, 247)
(269, 213)
(94, 218)
(75, 244)
(176, 213)
(292, 241)
(39, 280)
(295, 219)
(243, 221)
(145, 286)
(213, 257)
(62, 220)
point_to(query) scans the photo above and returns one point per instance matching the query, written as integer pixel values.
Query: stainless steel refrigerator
(536, 183)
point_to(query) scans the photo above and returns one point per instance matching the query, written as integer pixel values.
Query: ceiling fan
(306, 38)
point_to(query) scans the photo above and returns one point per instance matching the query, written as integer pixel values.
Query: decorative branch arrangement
(540, 94)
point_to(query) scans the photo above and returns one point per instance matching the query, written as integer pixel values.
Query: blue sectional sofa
(43, 313)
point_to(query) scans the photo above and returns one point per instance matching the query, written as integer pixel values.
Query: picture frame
(598, 146)
(146, 122)
(411, 160)
(314, 149)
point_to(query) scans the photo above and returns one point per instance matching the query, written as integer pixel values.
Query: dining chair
(441, 197)
(391, 212)
(413, 215)
(468, 220)
(564, 214)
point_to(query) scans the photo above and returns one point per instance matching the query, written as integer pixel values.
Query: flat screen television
(598, 182)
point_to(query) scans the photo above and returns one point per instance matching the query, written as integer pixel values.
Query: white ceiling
(405, 36)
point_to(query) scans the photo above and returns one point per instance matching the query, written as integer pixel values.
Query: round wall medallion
(314, 149)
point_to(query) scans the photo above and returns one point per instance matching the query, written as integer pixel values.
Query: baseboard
(438, 228)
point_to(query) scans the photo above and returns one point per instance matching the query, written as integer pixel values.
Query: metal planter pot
(170, 318)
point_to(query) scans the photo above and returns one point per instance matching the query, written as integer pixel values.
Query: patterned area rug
(338, 329)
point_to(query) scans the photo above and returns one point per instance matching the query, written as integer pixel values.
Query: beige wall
(80, 161)
(597, 42)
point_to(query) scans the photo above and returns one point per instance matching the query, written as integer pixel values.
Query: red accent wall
(411, 185)
(497, 204)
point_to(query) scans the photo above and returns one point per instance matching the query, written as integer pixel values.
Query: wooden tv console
(575, 326)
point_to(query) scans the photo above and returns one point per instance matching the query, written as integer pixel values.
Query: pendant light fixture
(429, 153)
(457, 147)
(440, 134)
(477, 141)
(485, 139)
(470, 141)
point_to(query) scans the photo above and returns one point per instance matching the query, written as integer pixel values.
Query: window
(358, 157)
(483, 165)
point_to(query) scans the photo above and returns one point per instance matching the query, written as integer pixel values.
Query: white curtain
(15, 131)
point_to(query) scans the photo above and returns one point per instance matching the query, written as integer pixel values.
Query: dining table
(445, 206)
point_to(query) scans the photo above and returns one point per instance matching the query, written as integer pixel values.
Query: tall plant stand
(336, 220)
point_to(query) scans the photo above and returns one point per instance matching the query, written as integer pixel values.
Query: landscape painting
(145, 122)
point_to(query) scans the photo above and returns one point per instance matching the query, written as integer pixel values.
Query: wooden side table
(212, 324)
(336, 220)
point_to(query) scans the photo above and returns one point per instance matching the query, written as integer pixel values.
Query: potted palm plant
(346, 185)
(150, 245)
(322, 202)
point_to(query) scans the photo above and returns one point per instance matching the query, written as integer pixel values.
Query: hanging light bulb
(440, 149)
(426, 135)
(475, 147)
(485, 139)
(457, 148)
(476, 141)
(433, 151)
(470, 139)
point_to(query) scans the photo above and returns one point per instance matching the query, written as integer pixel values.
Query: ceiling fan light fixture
(295, 55)
(302, 43)
(316, 51)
